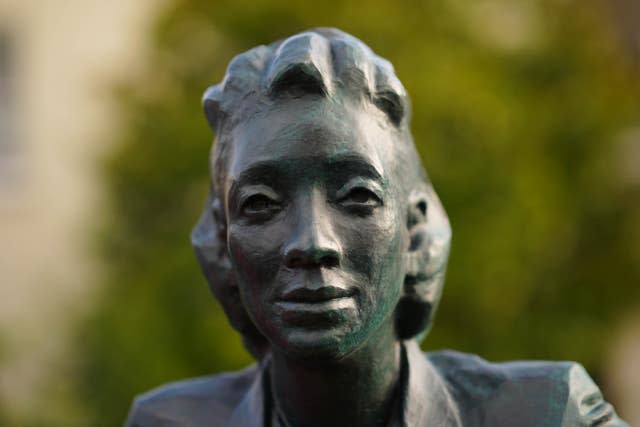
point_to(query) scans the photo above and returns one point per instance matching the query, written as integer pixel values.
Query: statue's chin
(316, 347)
(327, 344)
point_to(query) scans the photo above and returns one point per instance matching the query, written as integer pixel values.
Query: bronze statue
(327, 245)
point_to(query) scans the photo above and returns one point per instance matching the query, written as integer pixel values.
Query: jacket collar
(426, 400)
(250, 412)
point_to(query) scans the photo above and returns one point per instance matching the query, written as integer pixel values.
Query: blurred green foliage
(518, 110)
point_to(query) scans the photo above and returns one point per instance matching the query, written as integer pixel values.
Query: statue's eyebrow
(268, 172)
(353, 164)
(281, 172)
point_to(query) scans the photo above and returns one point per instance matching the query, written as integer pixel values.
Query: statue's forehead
(318, 129)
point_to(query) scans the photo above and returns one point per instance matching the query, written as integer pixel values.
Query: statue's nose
(312, 243)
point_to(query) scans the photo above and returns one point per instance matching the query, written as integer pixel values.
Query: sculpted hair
(332, 64)
(321, 62)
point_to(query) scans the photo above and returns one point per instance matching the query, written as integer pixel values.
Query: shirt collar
(426, 400)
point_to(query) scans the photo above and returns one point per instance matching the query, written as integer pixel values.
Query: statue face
(317, 224)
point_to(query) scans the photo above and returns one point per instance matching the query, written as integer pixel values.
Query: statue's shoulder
(205, 401)
(523, 393)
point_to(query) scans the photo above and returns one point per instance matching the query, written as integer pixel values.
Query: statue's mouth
(305, 295)
(318, 307)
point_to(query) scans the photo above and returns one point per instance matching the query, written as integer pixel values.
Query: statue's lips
(319, 295)
(316, 308)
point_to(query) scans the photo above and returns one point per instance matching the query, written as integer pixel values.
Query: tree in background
(518, 110)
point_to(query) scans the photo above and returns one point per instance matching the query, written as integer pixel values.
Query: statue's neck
(357, 391)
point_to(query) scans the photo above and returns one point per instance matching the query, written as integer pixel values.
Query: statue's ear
(425, 262)
(209, 240)
(212, 106)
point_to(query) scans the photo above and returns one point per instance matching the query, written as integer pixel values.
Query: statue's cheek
(254, 253)
(372, 244)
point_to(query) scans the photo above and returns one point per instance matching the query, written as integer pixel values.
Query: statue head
(321, 223)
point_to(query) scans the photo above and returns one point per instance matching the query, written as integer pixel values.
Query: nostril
(294, 258)
(297, 258)
(329, 261)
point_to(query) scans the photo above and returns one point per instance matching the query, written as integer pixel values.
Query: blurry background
(526, 114)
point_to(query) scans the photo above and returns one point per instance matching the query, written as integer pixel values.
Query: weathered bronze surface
(327, 245)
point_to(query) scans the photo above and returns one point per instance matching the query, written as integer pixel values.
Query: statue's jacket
(443, 389)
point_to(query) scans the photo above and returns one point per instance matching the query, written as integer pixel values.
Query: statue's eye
(259, 204)
(360, 200)
(362, 195)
